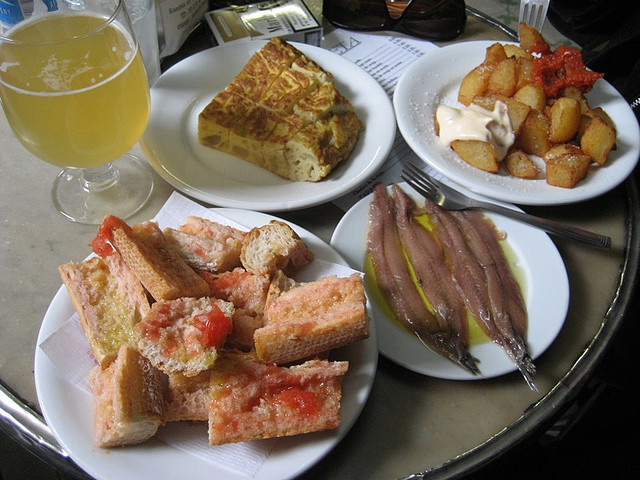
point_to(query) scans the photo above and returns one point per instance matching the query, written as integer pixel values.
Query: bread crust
(155, 262)
(272, 247)
(127, 400)
(187, 398)
(312, 318)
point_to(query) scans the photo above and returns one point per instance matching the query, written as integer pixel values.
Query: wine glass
(75, 92)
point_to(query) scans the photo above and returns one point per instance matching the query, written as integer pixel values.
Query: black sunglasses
(429, 19)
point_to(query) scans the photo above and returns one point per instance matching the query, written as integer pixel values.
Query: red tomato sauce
(296, 398)
(100, 245)
(215, 327)
(563, 68)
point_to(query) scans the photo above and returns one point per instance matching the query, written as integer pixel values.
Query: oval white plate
(546, 289)
(171, 139)
(68, 410)
(435, 79)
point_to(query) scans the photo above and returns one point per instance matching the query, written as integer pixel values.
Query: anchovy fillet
(397, 286)
(508, 321)
(434, 278)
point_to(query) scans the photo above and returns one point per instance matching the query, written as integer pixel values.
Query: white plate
(545, 286)
(68, 410)
(171, 140)
(435, 79)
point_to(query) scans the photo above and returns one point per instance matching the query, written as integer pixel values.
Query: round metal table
(412, 426)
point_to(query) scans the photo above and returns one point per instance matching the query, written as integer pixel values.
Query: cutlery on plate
(451, 199)
(534, 12)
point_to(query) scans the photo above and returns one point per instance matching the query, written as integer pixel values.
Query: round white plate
(435, 78)
(68, 410)
(543, 279)
(171, 139)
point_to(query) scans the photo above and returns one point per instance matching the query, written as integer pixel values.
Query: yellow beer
(74, 103)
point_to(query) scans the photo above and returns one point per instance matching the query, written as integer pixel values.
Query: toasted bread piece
(274, 246)
(203, 253)
(153, 260)
(248, 293)
(184, 335)
(313, 318)
(280, 283)
(109, 301)
(187, 398)
(283, 113)
(252, 400)
(127, 400)
(230, 236)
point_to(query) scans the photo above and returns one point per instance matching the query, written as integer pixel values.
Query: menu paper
(385, 58)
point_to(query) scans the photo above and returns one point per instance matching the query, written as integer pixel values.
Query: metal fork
(452, 199)
(534, 12)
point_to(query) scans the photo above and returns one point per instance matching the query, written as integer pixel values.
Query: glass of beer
(75, 92)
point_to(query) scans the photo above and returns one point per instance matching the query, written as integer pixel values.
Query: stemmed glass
(75, 92)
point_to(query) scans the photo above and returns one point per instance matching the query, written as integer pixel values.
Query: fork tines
(419, 180)
(534, 12)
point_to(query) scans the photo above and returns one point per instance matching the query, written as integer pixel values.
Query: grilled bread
(213, 353)
(312, 318)
(251, 399)
(283, 113)
(109, 301)
(187, 398)
(184, 335)
(127, 400)
(272, 247)
(151, 257)
(248, 293)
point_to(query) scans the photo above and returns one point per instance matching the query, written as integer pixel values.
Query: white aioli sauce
(477, 123)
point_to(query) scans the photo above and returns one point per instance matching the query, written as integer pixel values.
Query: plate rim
(374, 155)
(485, 186)
(46, 373)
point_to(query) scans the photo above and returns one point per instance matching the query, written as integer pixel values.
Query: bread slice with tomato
(184, 335)
(251, 399)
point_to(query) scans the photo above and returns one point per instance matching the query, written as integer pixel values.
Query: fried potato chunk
(532, 40)
(474, 83)
(517, 111)
(480, 154)
(515, 51)
(504, 77)
(495, 54)
(566, 165)
(534, 135)
(532, 94)
(564, 119)
(520, 165)
(597, 138)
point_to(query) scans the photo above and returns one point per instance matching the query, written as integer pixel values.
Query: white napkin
(69, 351)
